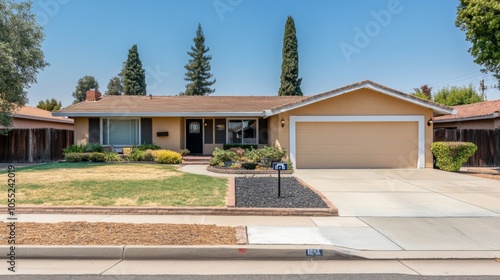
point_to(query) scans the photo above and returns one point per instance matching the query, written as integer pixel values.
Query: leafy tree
(134, 76)
(423, 92)
(84, 84)
(21, 56)
(453, 96)
(198, 68)
(49, 105)
(290, 81)
(480, 19)
(115, 86)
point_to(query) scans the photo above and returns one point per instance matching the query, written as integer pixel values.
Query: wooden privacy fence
(487, 141)
(34, 145)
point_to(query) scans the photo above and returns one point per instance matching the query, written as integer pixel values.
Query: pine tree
(115, 86)
(198, 68)
(134, 76)
(290, 81)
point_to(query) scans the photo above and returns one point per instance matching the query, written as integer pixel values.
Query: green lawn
(116, 184)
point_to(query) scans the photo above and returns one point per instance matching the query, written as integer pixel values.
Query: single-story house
(362, 125)
(482, 115)
(32, 117)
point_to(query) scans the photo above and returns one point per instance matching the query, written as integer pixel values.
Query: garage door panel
(353, 161)
(348, 149)
(356, 144)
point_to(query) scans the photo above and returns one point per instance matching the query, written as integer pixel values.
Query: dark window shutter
(94, 130)
(263, 131)
(209, 131)
(146, 131)
(220, 131)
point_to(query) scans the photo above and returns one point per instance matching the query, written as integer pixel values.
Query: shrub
(239, 151)
(249, 165)
(265, 156)
(93, 148)
(244, 146)
(451, 155)
(184, 152)
(235, 165)
(76, 157)
(144, 147)
(168, 157)
(126, 151)
(112, 157)
(149, 155)
(97, 157)
(74, 149)
(136, 155)
(219, 156)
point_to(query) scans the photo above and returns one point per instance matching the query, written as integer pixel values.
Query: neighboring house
(362, 125)
(32, 117)
(482, 115)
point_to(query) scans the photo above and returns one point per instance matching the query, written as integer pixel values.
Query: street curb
(232, 252)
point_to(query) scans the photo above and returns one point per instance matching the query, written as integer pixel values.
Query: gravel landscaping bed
(263, 192)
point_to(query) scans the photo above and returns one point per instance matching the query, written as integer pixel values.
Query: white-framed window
(242, 131)
(120, 132)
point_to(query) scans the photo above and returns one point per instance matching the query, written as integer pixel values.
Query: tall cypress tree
(290, 81)
(134, 76)
(198, 68)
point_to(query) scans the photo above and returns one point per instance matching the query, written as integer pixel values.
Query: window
(242, 132)
(119, 132)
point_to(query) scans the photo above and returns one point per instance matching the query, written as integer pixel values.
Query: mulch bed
(262, 192)
(85, 233)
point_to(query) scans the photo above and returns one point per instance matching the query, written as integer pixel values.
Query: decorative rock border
(246, 171)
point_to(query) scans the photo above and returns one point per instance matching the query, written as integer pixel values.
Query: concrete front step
(198, 160)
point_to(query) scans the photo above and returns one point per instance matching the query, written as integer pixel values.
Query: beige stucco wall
(81, 127)
(478, 124)
(361, 102)
(174, 126)
(27, 123)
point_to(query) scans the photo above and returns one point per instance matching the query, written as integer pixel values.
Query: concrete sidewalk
(289, 237)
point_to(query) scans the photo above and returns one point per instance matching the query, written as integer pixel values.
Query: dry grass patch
(85, 233)
(119, 184)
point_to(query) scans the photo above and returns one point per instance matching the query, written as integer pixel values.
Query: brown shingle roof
(220, 105)
(128, 105)
(477, 110)
(28, 112)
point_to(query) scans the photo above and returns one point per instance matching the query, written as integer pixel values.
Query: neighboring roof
(477, 111)
(224, 106)
(33, 113)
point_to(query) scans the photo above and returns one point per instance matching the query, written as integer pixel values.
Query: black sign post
(280, 166)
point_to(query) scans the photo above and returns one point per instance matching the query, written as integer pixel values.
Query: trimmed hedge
(451, 155)
(78, 157)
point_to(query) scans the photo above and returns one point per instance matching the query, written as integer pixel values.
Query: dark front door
(194, 136)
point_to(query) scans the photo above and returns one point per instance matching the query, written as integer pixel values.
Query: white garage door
(356, 144)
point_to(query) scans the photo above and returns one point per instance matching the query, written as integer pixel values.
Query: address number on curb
(314, 252)
(280, 166)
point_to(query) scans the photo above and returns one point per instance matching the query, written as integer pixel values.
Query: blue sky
(401, 44)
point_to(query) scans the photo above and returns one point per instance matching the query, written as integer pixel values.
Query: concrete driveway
(405, 192)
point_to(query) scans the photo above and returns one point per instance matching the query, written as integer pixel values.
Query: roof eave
(21, 116)
(159, 114)
(476, 118)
